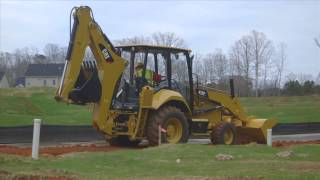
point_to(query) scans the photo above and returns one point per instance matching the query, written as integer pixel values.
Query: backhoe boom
(87, 33)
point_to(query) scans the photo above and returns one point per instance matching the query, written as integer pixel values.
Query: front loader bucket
(256, 129)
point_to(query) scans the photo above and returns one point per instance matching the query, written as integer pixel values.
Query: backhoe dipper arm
(86, 32)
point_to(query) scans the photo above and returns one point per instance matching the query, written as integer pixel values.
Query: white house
(4, 83)
(43, 75)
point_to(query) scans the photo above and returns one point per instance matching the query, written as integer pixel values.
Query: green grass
(20, 106)
(160, 162)
(285, 109)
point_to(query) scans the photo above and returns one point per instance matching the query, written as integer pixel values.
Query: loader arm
(87, 33)
(251, 126)
(232, 104)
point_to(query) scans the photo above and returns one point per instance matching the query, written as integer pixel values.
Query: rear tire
(224, 133)
(173, 121)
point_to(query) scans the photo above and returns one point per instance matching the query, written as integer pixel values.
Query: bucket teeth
(85, 64)
(89, 65)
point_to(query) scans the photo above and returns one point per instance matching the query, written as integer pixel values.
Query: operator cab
(171, 68)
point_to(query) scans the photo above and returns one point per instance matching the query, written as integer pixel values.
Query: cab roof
(153, 48)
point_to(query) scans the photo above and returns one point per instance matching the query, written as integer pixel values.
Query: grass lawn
(160, 163)
(20, 106)
(285, 109)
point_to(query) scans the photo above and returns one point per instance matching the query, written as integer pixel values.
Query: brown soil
(59, 150)
(290, 143)
(244, 139)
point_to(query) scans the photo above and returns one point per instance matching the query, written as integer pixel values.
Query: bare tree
(22, 58)
(317, 41)
(261, 50)
(302, 77)
(134, 40)
(208, 69)
(40, 59)
(235, 65)
(180, 72)
(162, 39)
(169, 39)
(5, 61)
(62, 54)
(280, 63)
(198, 68)
(52, 52)
(318, 79)
(291, 77)
(16, 63)
(219, 64)
(241, 58)
(267, 68)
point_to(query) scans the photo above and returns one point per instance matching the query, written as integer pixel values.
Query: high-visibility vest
(148, 75)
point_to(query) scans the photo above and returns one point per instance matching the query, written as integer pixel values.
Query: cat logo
(105, 54)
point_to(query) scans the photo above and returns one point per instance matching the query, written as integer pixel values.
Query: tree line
(15, 63)
(255, 63)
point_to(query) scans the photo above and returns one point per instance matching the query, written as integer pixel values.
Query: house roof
(44, 70)
(1, 75)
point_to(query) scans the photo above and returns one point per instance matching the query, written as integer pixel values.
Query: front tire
(224, 133)
(173, 121)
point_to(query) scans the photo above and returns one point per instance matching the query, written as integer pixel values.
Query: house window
(54, 82)
(45, 82)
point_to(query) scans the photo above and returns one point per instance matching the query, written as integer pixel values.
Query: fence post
(36, 138)
(269, 137)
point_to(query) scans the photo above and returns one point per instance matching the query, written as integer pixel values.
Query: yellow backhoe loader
(128, 108)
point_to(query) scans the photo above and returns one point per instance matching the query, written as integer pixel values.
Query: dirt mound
(224, 157)
(59, 150)
(290, 143)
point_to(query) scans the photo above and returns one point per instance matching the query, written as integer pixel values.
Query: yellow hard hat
(139, 65)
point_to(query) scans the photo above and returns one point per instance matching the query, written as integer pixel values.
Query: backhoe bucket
(256, 129)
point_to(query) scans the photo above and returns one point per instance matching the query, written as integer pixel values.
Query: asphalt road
(65, 134)
(297, 137)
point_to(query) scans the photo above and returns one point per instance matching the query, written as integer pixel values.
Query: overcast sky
(205, 25)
